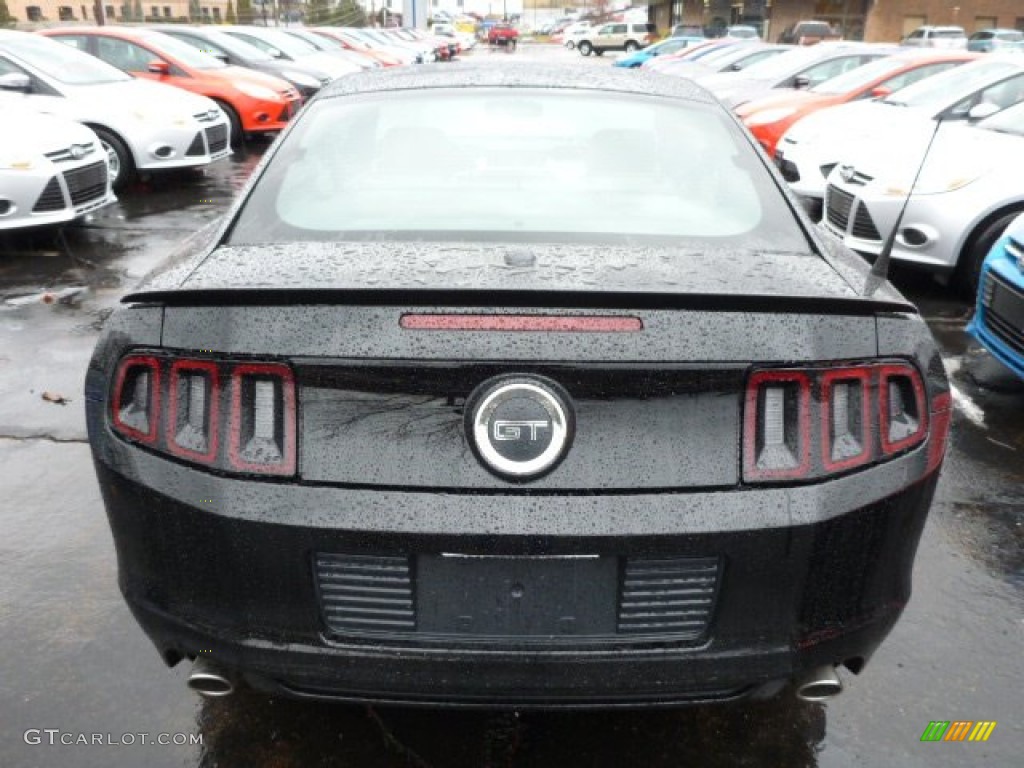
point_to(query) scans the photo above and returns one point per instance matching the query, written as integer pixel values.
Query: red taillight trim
(750, 469)
(212, 369)
(941, 416)
(828, 378)
(886, 372)
(287, 464)
(126, 364)
(542, 323)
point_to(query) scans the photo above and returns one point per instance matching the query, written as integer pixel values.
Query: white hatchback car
(52, 170)
(809, 150)
(968, 191)
(141, 125)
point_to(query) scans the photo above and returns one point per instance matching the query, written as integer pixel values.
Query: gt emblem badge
(519, 427)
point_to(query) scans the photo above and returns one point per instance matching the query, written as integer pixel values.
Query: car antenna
(880, 269)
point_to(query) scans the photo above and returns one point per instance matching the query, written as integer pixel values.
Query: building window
(66, 13)
(34, 13)
(154, 11)
(109, 12)
(167, 11)
(216, 15)
(206, 13)
(984, 22)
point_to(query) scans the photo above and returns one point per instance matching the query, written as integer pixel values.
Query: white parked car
(52, 170)
(571, 34)
(968, 192)
(809, 150)
(141, 125)
(936, 37)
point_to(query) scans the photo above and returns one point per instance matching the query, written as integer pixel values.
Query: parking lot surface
(76, 665)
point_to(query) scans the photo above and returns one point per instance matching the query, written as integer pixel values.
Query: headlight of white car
(300, 78)
(766, 116)
(258, 91)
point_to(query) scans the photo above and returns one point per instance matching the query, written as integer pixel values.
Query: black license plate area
(516, 597)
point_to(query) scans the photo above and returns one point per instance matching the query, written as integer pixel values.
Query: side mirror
(158, 67)
(981, 111)
(801, 81)
(881, 92)
(735, 67)
(220, 55)
(15, 81)
(275, 53)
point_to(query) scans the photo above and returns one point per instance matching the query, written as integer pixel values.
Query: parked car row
(111, 111)
(858, 129)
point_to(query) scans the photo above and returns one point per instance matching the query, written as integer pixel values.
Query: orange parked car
(768, 118)
(351, 44)
(254, 102)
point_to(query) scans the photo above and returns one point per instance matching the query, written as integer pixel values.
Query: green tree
(137, 14)
(194, 13)
(245, 11)
(230, 16)
(350, 14)
(318, 11)
(6, 20)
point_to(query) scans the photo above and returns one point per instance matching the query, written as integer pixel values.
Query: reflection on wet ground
(255, 731)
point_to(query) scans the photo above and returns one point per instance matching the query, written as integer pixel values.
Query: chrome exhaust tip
(820, 684)
(205, 680)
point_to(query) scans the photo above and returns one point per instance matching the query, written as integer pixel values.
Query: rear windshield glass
(517, 165)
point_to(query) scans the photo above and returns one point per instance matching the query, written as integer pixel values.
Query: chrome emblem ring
(520, 427)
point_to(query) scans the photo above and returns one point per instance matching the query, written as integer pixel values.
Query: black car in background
(307, 80)
(616, 426)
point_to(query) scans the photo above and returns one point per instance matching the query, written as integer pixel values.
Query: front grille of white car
(840, 205)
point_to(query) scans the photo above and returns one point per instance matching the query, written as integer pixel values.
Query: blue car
(999, 320)
(669, 45)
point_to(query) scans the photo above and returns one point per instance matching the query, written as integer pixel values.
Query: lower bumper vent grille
(668, 596)
(364, 593)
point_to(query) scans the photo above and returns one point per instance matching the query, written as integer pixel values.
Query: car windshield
(62, 62)
(234, 45)
(783, 64)
(860, 77)
(521, 165)
(948, 33)
(952, 85)
(187, 54)
(1009, 120)
(271, 38)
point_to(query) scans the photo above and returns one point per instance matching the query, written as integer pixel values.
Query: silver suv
(618, 36)
(937, 37)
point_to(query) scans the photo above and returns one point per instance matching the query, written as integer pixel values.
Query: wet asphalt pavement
(73, 659)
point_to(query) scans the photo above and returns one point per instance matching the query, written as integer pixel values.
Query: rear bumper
(225, 580)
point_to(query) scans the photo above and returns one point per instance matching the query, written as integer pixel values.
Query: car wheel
(570, 44)
(968, 268)
(586, 48)
(631, 46)
(122, 164)
(237, 135)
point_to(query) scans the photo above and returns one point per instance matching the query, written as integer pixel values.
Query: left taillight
(803, 424)
(232, 417)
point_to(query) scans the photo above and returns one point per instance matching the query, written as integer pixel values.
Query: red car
(254, 102)
(502, 34)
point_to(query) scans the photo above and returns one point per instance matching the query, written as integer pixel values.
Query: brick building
(28, 12)
(874, 20)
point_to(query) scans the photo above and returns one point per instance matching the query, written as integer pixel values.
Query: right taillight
(232, 417)
(808, 423)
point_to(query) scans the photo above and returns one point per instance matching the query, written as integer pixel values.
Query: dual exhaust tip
(207, 680)
(818, 685)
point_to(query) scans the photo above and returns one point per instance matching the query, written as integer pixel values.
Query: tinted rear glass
(519, 165)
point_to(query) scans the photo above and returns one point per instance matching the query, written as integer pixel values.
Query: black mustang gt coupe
(516, 387)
